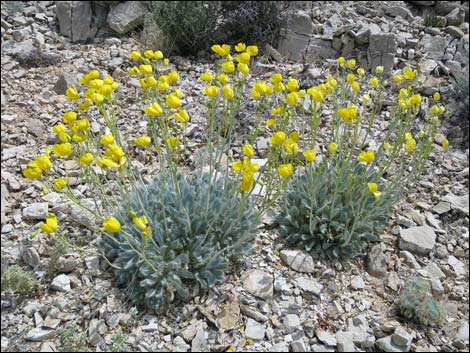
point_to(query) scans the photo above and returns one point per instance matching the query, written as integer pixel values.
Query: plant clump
(19, 281)
(416, 303)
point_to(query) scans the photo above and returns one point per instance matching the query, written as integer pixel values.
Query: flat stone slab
(419, 240)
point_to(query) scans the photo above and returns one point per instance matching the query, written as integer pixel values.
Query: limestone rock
(419, 240)
(125, 16)
(298, 260)
(258, 283)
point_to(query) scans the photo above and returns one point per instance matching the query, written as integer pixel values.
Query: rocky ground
(282, 299)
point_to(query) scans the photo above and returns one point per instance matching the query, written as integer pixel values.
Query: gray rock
(319, 48)
(434, 45)
(95, 329)
(292, 45)
(254, 330)
(48, 347)
(76, 20)
(401, 11)
(61, 283)
(321, 348)
(432, 30)
(254, 314)
(409, 259)
(456, 17)
(405, 222)
(83, 216)
(65, 81)
(357, 283)
(326, 337)
(31, 257)
(345, 341)
(180, 345)
(280, 347)
(298, 346)
(67, 264)
(300, 23)
(20, 34)
(126, 16)
(386, 345)
(442, 207)
(420, 240)
(291, 322)
(258, 283)
(461, 54)
(382, 51)
(112, 41)
(454, 31)
(309, 285)
(199, 342)
(298, 260)
(39, 334)
(92, 263)
(37, 210)
(460, 203)
(376, 264)
(461, 340)
(401, 337)
(393, 281)
(457, 265)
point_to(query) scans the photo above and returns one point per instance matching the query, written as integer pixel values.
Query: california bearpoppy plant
(167, 236)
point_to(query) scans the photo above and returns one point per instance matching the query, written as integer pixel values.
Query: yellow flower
(141, 222)
(97, 98)
(352, 63)
(44, 162)
(223, 78)
(341, 61)
(211, 91)
(366, 98)
(240, 47)
(271, 122)
(107, 139)
(252, 50)
(388, 146)
(248, 180)
(86, 159)
(85, 105)
(437, 96)
(249, 151)
(223, 50)
(157, 55)
(237, 166)
(379, 70)
(173, 101)
(374, 81)
(291, 147)
(146, 69)
(173, 76)
(276, 78)
(310, 155)
(163, 86)
(348, 114)
(409, 73)
(445, 144)
(154, 110)
(172, 142)
(355, 86)
(244, 68)
(166, 62)
(360, 71)
(316, 94)
(69, 117)
(227, 92)
(243, 58)
(150, 81)
(206, 76)
(285, 170)
(143, 141)
(182, 116)
(80, 125)
(292, 98)
(332, 147)
(105, 162)
(408, 136)
(397, 78)
(112, 225)
(61, 183)
(410, 145)
(350, 78)
(228, 67)
(374, 188)
(279, 87)
(294, 136)
(72, 93)
(277, 111)
(278, 138)
(148, 54)
(63, 149)
(292, 84)
(367, 157)
(51, 225)
(33, 171)
(136, 55)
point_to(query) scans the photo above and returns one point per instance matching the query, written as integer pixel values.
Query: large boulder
(382, 50)
(126, 16)
(295, 38)
(79, 20)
